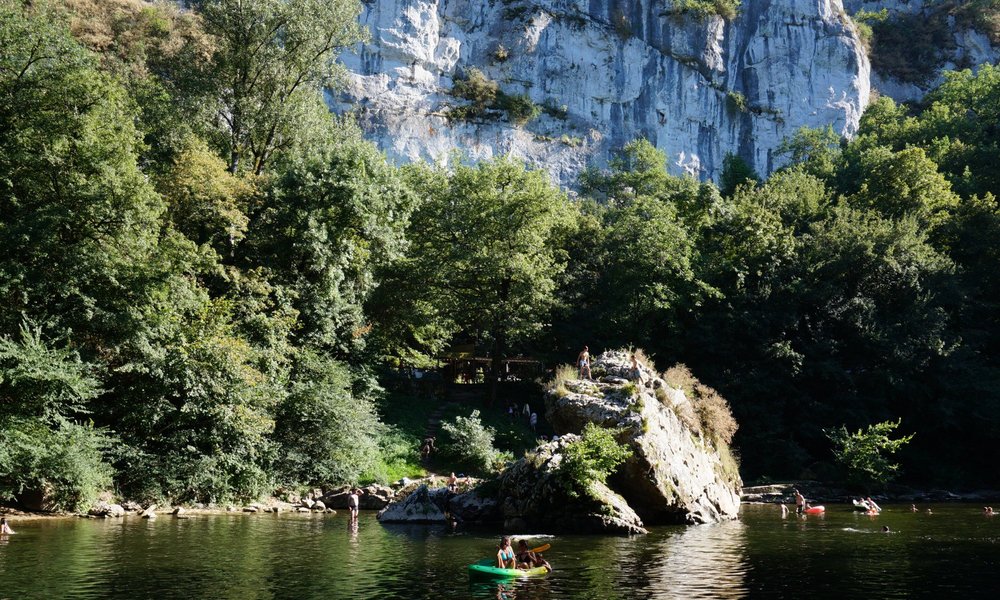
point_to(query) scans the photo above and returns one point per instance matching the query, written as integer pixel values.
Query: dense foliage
(202, 270)
(591, 458)
(866, 455)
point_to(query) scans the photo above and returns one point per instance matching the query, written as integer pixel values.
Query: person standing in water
(4, 527)
(800, 502)
(353, 501)
(583, 361)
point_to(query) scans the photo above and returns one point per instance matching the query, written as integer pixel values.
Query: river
(954, 552)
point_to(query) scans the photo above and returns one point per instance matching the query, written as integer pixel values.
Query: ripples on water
(842, 554)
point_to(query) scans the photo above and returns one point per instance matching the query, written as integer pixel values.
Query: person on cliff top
(583, 361)
(505, 555)
(5, 528)
(526, 559)
(800, 502)
(635, 373)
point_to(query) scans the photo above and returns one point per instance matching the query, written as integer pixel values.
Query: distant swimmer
(988, 511)
(930, 512)
(913, 508)
(885, 529)
(784, 511)
(4, 527)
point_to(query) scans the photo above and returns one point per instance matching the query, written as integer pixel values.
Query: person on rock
(505, 555)
(635, 373)
(583, 361)
(526, 559)
(452, 482)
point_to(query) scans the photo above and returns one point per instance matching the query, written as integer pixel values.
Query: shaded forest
(205, 275)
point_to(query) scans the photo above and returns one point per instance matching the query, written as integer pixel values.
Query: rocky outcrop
(107, 509)
(676, 473)
(534, 497)
(424, 505)
(440, 505)
(606, 72)
(373, 497)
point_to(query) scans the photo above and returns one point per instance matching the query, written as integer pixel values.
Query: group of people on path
(514, 409)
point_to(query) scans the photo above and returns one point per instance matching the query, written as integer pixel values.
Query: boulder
(308, 502)
(424, 505)
(676, 473)
(131, 506)
(105, 509)
(179, 511)
(535, 496)
(318, 505)
(150, 512)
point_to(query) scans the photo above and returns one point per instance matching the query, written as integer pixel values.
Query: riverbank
(815, 491)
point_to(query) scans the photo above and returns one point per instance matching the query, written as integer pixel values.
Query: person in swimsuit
(583, 361)
(352, 503)
(505, 555)
(800, 502)
(4, 527)
(526, 559)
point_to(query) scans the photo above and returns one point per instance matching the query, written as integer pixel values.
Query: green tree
(735, 171)
(335, 216)
(273, 58)
(326, 434)
(45, 449)
(866, 455)
(484, 248)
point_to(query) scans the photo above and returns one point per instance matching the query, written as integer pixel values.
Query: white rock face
(612, 71)
(971, 48)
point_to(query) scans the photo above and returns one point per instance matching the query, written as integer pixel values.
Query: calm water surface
(954, 552)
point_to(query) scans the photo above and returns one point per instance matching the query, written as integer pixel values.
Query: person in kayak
(527, 559)
(505, 555)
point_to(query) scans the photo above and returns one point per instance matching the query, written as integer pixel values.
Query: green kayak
(487, 568)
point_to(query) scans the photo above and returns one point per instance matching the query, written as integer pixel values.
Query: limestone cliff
(607, 72)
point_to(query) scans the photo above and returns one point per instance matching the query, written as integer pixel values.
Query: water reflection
(700, 562)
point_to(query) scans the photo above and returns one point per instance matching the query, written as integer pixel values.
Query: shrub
(737, 102)
(591, 458)
(865, 454)
(470, 443)
(67, 460)
(501, 54)
(726, 9)
(563, 374)
(679, 377)
(478, 89)
(519, 108)
(714, 414)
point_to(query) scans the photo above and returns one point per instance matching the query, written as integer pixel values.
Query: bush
(327, 434)
(470, 443)
(714, 414)
(67, 460)
(478, 89)
(520, 109)
(591, 458)
(726, 9)
(865, 454)
(563, 374)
